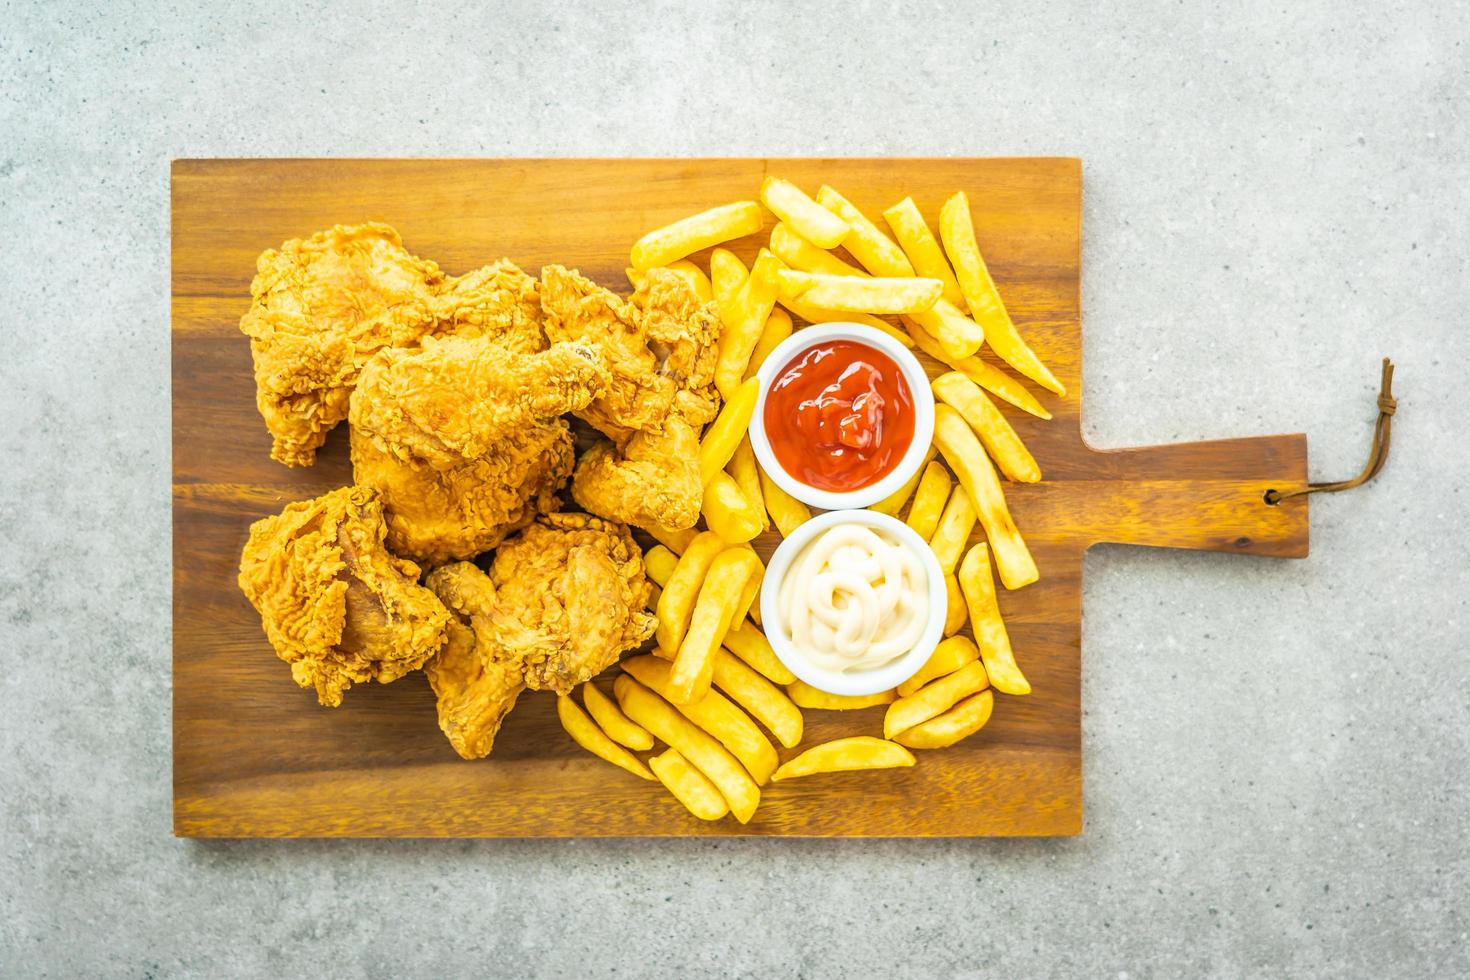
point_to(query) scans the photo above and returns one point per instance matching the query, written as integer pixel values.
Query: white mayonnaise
(855, 599)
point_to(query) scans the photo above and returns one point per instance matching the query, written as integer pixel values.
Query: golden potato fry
(960, 448)
(992, 379)
(802, 255)
(778, 328)
(920, 245)
(676, 541)
(659, 563)
(766, 702)
(586, 734)
(689, 786)
(690, 272)
(745, 472)
(815, 314)
(846, 755)
(726, 274)
(893, 503)
(718, 596)
(983, 298)
(728, 512)
(676, 605)
(934, 698)
(806, 696)
(787, 513)
(744, 316)
(716, 714)
(956, 613)
(688, 235)
(961, 721)
(806, 217)
(956, 334)
(953, 533)
(989, 628)
(751, 646)
(929, 499)
(654, 593)
(949, 656)
(996, 434)
(860, 295)
(726, 431)
(747, 605)
(701, 748)
(866, 241)
(605, 711)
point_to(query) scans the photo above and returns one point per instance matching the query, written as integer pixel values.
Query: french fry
(989, 628)
(815, 314)
(996, 434)
(605, 711)
(866, 241)
(766, 702)
(654, 593)
(893, 503)
(690, 272)
(886, 295)
(701, 748)
(728, 511)
(957, 335)
(801, 254)
(688, 235)
(960, 448)
(747, 605)
(949, 656)
(934, 698)
(806, 696)
(958, 232)
(787, 513)
(586, 734)
(689, 786)
(716, 714)
(676, 541)
(959, 722)
(746, 473)
(956, 613)
(726, 431)
(806, 217)
(751, 646)
(778, 328)
(953, 533)
(744, 316)
(920, 245)
(929, 499)
(676, 605)
(726, 274)
(718, 596)
(659, 563)
(992, 379)
(846, 755)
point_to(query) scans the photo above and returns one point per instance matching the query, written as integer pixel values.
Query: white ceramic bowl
(853, 682)
(913, 374)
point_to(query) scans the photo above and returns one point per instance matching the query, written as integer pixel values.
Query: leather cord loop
(1377, 456)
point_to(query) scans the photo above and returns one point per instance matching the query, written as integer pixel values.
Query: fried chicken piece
(335, 604)
(463, 439)
(570, 596)
(322, 306)
(660, 350)
(474, 693)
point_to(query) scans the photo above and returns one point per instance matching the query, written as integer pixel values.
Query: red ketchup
(839, 416)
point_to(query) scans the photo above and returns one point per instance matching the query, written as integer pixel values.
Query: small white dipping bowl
(851, 682)
(913, 375)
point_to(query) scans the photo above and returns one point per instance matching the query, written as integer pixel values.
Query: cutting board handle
(1205, 495)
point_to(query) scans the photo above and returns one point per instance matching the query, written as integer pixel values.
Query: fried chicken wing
(473, 692)
(660, 350)
(463, 438)
(335, 604)
(322, 306)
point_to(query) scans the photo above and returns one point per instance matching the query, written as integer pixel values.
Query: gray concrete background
(1275, 751)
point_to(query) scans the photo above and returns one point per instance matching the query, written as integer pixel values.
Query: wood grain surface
(255, 756)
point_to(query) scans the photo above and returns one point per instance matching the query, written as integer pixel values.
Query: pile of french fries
(712, 683)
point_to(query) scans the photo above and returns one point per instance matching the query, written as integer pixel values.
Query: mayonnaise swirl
(855, 599)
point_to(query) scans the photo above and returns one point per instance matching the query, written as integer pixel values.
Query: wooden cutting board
(255, 756)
